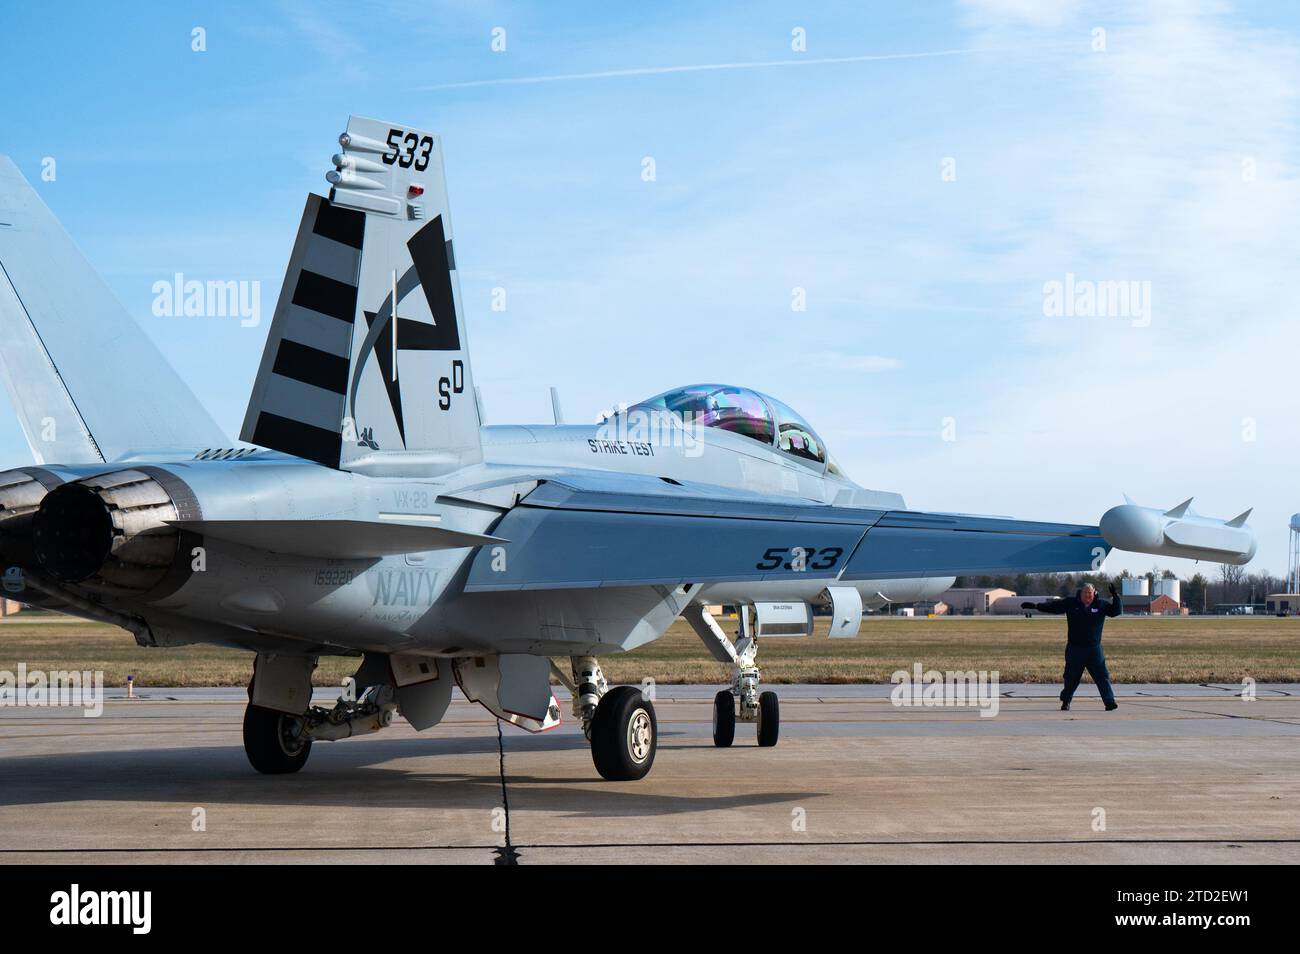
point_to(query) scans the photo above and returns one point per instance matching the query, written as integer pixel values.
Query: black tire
(724, 719)
(624, 735)
(769, 719)
(267, 742)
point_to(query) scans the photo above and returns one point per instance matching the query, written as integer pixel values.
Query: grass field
(1138, 649)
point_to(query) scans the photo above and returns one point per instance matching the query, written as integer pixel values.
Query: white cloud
(1038, 13)
(1149, 185)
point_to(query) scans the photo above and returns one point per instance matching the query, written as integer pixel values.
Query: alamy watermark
(638, 432)
(182, 298)
(931, 688)
(133, 909)
(1083, 298)
(37, 688)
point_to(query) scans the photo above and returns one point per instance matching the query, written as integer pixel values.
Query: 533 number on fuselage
(809, 558)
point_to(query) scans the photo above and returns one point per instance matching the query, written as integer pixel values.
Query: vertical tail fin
(88, 384)
(373, 265)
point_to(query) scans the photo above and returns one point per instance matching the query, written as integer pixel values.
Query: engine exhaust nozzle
(72, 532)
(108, 533)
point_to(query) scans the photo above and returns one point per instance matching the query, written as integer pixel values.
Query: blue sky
(924, 296)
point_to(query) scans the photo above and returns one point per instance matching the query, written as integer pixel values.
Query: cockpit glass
(795, 436)
(738, 410)
(741, 411)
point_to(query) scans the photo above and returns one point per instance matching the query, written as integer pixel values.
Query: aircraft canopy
(746, 412)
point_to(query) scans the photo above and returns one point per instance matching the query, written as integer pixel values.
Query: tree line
(1200, 593)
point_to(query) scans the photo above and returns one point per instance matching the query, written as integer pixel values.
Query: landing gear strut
(762, 708)
(589, 687)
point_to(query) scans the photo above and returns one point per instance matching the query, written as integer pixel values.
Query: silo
(1135, 586)
(1171, 589)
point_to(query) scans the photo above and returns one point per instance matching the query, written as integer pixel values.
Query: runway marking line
(939, 843)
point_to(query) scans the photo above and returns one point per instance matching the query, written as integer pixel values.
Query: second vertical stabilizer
(368, 369)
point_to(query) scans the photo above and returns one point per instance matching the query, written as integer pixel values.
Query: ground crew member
(1085, 615)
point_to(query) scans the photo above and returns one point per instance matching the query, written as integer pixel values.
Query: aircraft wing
(582, 532)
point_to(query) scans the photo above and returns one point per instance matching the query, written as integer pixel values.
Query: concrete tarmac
(1179, 774)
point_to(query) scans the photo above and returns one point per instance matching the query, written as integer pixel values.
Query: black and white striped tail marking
(299, 400)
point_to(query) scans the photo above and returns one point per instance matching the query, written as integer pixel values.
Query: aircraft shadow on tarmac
(348, 775)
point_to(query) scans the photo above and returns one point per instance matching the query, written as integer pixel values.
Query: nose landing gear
(769, 719)
(761, 708)
(724, 719)
(765, 712)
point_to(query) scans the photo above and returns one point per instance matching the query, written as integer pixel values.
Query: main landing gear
(619, 723)
(277, 741)
(624, 735)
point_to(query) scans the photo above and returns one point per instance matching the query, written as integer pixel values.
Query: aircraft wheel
(624, 735)
(769, 719)
(270, 743)
(724, 719)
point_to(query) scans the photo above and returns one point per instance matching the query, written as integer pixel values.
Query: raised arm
(1115, 607)
(1054, 607)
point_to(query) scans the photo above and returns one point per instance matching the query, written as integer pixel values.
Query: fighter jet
(367, 511)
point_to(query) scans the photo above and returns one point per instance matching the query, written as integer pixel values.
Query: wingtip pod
(1178, 533)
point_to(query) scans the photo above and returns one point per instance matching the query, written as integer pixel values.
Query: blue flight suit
(1083, 642)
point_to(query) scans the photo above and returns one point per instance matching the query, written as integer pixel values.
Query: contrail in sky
(711, 67)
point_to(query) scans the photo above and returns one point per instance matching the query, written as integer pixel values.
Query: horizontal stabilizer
(336, 539)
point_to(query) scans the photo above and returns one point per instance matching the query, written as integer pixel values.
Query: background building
(933, 608)
(1010, 605)
(1287, 604)
(1160, 604)
(973, 600)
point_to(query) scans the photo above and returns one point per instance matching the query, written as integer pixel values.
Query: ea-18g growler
(368, 512)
